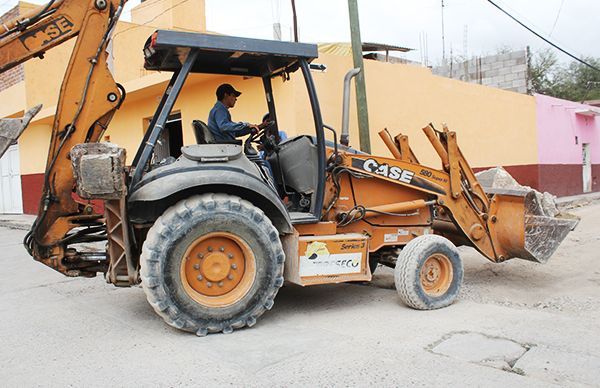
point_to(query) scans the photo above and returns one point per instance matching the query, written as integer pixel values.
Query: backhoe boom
(89, 97)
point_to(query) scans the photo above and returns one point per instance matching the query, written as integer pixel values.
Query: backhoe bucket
(526, 227)
(11, 129)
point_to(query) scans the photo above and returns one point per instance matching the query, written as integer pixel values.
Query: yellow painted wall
(194, 102)
(43, 77)
(187, 15)
(43, 80)
(127, 51)
(494, 127)
(13, 100)
(33, 148)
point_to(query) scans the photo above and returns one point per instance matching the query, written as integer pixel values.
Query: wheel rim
(218, 269)
(436, 275)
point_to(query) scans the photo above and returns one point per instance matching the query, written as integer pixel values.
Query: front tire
(428, 273)
(212, 263)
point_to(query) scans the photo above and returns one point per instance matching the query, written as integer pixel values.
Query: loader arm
(436, 184)
(501, 225)
(88, 99)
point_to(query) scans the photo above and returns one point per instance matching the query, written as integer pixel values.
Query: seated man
(219, 118)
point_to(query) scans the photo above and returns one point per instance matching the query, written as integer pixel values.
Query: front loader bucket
(11, 129)
(525, 228)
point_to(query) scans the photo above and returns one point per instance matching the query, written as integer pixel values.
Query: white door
(10, 182)
(587, 168)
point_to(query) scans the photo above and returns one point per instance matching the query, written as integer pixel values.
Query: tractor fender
(162, 189)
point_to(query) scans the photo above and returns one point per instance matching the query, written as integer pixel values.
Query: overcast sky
(472, 27)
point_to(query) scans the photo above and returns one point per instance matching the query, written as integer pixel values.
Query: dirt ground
(514, 324)
(569, 282)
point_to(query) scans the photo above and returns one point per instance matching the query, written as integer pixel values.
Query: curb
(577, 200)
(16, 224)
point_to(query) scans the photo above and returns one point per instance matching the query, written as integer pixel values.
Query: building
(569, 146)
(494, 127)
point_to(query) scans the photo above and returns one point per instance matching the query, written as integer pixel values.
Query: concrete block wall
(12, 77)
(16, 74)
(504, 71)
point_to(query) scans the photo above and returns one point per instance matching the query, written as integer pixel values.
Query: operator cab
(294, 169)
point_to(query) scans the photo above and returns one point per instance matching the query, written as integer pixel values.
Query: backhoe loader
(215, 232)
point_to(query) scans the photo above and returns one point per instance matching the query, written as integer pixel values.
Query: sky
(471, 27)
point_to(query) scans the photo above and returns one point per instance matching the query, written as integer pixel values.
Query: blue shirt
(221, 126)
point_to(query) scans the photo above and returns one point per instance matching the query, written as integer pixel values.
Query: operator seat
(205, 136)
(202, 132)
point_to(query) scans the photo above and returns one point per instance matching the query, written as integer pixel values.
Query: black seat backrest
(202, 132)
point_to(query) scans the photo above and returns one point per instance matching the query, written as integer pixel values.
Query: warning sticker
(390, 237)
(402, 232)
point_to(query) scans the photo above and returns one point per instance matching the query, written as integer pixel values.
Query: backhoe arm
(88, 99)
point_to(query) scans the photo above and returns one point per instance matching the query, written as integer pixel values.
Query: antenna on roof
(466, 41)
(443, 37)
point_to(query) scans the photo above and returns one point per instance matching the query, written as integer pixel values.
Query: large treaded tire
(177, 229)
(408, 276)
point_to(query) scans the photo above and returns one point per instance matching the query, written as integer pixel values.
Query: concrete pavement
(515, 324)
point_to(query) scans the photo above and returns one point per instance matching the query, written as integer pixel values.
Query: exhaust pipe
(11, 129)
(345, 138)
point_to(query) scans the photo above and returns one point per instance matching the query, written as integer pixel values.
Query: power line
(557, 16)
(544, 39)
(151, 20)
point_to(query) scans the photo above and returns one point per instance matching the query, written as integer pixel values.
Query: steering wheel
(262, 133)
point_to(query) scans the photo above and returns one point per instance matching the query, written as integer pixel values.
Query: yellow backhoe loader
(213, 230)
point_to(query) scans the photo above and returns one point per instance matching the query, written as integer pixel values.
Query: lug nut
(220, 284)
(234, 266)
(199, 277)
(222, 249)
(209, 249)
(230, 277)
(196, 266)
(208, 284)
(230, 255)
(200, 255)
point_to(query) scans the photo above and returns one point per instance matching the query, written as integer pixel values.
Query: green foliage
(574, 82)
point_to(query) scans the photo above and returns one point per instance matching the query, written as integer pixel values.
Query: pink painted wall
(558, 125)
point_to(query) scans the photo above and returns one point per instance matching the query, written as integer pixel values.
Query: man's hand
(254, 129)
(265, 124)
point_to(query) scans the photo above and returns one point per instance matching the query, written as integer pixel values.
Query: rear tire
(212, 263)
(428, 273)
(373, 262)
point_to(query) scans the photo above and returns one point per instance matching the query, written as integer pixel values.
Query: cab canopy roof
(218, 54)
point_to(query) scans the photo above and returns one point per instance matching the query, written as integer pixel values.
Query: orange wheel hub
(218, 269)
(436, 275)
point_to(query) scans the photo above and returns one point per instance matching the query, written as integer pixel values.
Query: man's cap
(227, 88)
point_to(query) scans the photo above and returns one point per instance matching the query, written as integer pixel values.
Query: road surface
(514, 324)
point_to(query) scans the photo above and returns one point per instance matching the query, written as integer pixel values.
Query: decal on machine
(318, 261)
(43, 35)
(395, 173)
(390, 237)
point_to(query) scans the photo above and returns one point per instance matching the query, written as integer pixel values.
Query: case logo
(394, 172)
(47, 33)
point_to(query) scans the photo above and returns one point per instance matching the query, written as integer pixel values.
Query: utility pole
(359, 81)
